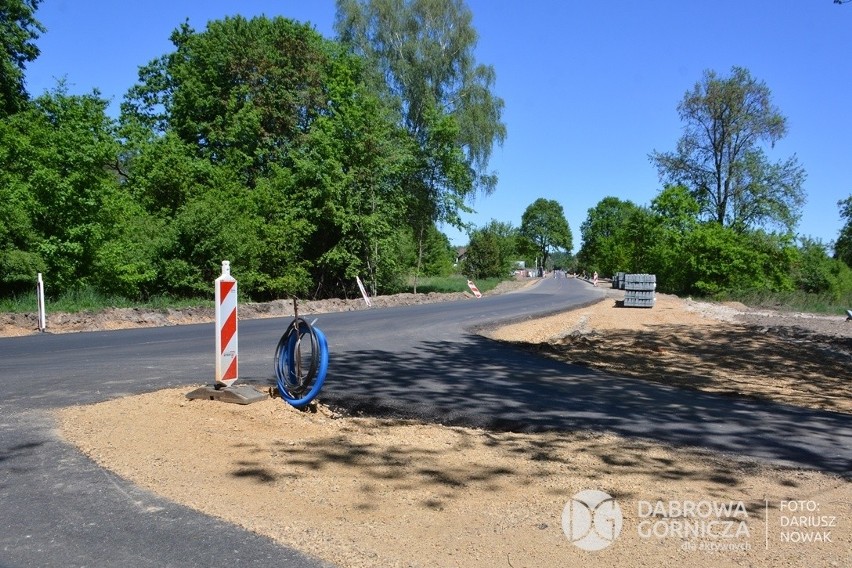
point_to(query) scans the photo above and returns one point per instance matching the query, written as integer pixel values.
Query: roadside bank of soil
(125, 318)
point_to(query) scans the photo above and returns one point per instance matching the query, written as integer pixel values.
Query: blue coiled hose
(298, 388)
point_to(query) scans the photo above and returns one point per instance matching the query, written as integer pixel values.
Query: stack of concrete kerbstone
(640, 290)
(618, 280)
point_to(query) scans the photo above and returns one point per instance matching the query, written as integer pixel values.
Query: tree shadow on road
(496, 386)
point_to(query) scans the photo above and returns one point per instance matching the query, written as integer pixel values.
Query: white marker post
(363, 292)
(226, 327)
(42, 316)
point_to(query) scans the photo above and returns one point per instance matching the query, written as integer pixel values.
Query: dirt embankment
(124, 318)
(377, 492)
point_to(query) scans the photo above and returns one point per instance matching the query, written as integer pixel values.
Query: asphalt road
(58, 509)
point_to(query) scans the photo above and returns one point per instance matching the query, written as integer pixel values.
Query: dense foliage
(18, 31)
(542, 241)
(492, 251)
(843, 246)
(694, 256)
(255, 140)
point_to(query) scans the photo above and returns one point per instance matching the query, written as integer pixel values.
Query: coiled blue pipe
(296, 390)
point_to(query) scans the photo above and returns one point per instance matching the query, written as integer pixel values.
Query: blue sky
(591, 87)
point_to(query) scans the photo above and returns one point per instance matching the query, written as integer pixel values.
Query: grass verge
(796, 301)
(88, 299)
(449, 284)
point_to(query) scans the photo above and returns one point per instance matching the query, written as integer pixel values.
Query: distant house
(461, 253)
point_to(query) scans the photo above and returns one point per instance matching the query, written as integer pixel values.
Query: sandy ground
(375, 492)
(723, 348)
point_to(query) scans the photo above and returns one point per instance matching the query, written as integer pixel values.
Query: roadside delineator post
(474, 289)
(226, 327)
(226, 348)
(363, 292)
(42, 317)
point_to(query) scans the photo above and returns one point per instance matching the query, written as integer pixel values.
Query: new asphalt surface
(57, 508)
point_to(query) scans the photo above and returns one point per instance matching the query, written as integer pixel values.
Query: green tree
(642, 234)
(677, 209)
(814, 269)
(64, 185)
(721, 160)
(18, 32)
(222, 224)
(213, 131)
(280, 125)
(544, 224)
(163, 172)
(20, 259)
(492, 250)
(605, 247)
(675, 217)
(242, 92)
(687, 255)
(423, 54)
(440, 254)
(126, 264)
(353, 162)
(169, 183)
(843, 245)
(564, 261)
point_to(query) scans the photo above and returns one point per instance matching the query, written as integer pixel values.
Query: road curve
(58, 509)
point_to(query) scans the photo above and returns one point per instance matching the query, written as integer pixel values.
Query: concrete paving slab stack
(640, 290)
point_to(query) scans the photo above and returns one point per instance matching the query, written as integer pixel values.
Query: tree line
(307, 161)
(304, 160)
(724, 220)
(726, 217)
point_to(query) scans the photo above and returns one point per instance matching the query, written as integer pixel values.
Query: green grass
(449, 284)
(88, 299)
(796, 301)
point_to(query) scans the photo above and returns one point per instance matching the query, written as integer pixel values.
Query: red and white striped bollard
(474, 289)
(226, 327)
